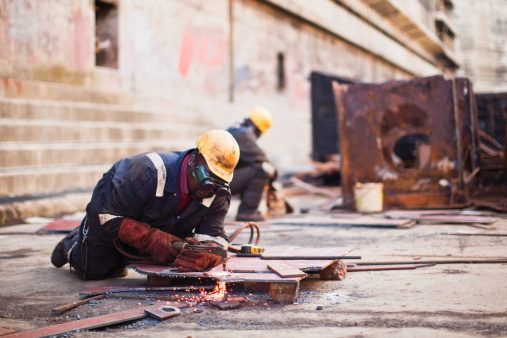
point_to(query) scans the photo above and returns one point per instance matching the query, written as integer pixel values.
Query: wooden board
(285, 270)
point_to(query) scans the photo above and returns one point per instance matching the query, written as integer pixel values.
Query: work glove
(188, 261)
(152, 241)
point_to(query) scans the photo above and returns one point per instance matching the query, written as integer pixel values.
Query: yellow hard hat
(221, 152)
(261, 117)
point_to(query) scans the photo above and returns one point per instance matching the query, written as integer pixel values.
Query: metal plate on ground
(243, 269)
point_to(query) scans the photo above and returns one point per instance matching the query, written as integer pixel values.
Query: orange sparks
(218, 293)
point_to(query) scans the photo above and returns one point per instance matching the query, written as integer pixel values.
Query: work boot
(61, 252)
(118, 272)
(255, 216)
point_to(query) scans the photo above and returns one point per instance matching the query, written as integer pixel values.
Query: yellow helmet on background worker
(261, 117)
(221, 152)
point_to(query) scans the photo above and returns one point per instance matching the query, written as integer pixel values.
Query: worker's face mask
(209, 184)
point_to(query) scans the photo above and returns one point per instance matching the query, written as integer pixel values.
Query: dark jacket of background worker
(146, 202)
(253, 172)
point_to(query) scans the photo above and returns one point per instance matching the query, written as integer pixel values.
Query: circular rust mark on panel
(406, 115)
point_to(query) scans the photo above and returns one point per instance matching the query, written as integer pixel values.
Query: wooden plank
(285, 270)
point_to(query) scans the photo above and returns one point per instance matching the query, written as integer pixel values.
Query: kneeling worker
(149, 201)
(253, 172)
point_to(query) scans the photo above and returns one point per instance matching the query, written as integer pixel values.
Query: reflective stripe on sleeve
(206, 238)
(161, 172)
(104, 218)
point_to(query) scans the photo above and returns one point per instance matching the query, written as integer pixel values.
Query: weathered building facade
(482, 43)
(84, 82)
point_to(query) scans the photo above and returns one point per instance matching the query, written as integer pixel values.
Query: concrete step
(52, 91)
(18, 155)
(13, 130)
(17, 212)
(47, 180)
(19, 109)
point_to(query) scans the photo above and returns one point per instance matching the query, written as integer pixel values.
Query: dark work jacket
(249, 152)
(144, 187)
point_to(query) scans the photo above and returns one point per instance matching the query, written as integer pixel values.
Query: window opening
(280, 69)
(106, 34)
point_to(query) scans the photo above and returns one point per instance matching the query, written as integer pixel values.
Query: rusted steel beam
(284, 293)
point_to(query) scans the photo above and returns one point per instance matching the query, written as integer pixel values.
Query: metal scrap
(419, 137)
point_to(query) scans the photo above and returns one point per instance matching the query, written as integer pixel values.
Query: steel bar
(65, 308)
(357, 268)
(439, 261)
(118, 289)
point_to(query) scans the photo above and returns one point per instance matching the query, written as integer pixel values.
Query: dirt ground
(447, 300)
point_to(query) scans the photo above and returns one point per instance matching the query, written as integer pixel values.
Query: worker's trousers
(249, 182)
(94, 255)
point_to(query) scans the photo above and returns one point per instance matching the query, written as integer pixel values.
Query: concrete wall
(483, 43)
(174, 78)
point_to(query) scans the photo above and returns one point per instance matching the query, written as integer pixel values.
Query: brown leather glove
(188, 261)
(143, 237)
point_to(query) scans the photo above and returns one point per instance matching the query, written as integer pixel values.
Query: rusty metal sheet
(417, 137)
(284, 269)
(89, 323)
(60, 226)
(244, 269)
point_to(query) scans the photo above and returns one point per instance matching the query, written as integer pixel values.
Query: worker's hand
(188, 261)
(142, 236)
(269, 170)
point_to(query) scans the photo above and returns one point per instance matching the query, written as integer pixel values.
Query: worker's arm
(152, 241)
(250, 151)
(133, 185)
(210, 231)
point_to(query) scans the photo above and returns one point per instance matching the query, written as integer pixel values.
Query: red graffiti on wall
(204, 46)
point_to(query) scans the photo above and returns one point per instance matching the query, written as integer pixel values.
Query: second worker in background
(254, 172)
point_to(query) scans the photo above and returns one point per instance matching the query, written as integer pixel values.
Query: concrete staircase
(57, 140)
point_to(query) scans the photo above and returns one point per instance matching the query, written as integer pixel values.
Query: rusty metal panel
(414, 136)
